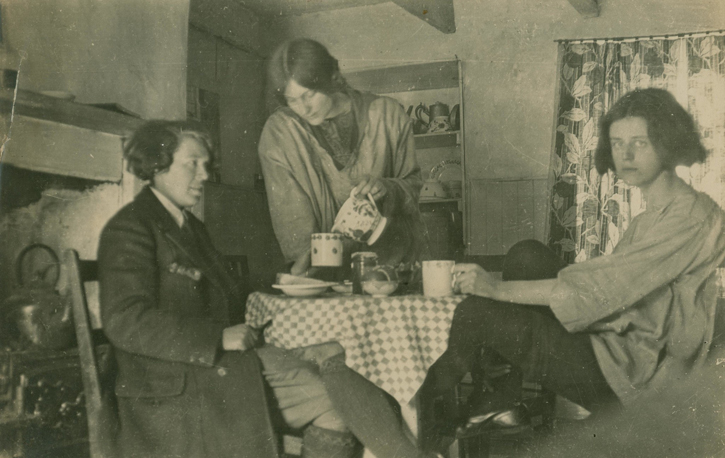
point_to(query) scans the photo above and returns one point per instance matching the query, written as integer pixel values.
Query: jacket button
(222, 372)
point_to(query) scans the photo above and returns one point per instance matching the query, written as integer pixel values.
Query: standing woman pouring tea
(328, 141)
(325, 143)
(622, 324)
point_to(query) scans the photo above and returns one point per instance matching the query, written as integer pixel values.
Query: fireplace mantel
(59, 136)
(39, 106)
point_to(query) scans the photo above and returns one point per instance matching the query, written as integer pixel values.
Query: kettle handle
(421, 109)
(372, 201)
(55, 263)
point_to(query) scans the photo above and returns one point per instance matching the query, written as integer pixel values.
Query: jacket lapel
(173, 233)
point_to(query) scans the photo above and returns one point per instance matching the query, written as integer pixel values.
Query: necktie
(186, 229)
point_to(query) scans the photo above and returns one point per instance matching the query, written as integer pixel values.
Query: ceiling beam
(438, 13)
(587, 8)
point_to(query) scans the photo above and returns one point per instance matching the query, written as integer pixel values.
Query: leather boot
(325, 443)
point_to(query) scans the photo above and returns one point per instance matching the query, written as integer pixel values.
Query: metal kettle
(37, 315)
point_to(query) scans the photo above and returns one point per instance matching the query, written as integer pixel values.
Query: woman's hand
(371, 185)
(319, 353)
(302, 264)
(472, 279)
(239, 338)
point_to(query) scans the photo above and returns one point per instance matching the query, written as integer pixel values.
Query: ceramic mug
(438, 278)
(326, 249)
(360, 220)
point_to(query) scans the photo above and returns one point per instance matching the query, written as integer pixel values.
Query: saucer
(304, 290)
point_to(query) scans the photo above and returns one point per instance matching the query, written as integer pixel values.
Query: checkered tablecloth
(391, 341)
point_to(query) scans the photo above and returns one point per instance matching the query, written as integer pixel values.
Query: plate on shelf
(447, 170)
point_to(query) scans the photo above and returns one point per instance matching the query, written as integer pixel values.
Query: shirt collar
(175, 211)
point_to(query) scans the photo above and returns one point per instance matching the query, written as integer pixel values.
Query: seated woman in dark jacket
(188, 384)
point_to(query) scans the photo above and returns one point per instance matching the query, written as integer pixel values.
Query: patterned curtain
(590, 212)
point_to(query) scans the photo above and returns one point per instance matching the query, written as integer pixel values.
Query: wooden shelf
(403, 78)
(39, 106)
(439, 201)
(437, 140)
(53, 135)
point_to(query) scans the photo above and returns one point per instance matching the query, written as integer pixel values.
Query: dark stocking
(366, 410)
(526, 260)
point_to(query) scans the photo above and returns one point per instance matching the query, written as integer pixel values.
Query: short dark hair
(150, 149)
(306, 61)
(670, 128)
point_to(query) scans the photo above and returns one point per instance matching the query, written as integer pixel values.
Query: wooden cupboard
(441, 154)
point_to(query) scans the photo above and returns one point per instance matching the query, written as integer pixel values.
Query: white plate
(304, 290)
(447, 170)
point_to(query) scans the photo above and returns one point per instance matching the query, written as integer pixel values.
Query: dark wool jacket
(165, 300)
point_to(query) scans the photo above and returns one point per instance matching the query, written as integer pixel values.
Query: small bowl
(454, 187)
(432, 190)
(343, 288)
(379, 288)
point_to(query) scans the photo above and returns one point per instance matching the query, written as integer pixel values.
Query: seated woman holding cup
(614, 327)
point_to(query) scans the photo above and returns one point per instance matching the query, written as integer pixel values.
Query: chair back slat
(84, 335)
(238, 268)
(96, 362)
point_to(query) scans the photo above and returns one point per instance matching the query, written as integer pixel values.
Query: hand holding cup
(472, 279)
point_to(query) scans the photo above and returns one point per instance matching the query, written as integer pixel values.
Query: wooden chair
(97, 362)
(238, 268)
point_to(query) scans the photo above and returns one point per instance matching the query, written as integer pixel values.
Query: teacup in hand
(326, 249)
(360, 220)
(438, 278)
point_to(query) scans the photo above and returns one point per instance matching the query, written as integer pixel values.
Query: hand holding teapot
(370, 185)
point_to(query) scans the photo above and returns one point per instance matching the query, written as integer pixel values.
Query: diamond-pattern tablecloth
(391, 341)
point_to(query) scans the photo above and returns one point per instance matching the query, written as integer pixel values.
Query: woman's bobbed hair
(670, 128)
(309, 63)
(150, 149)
